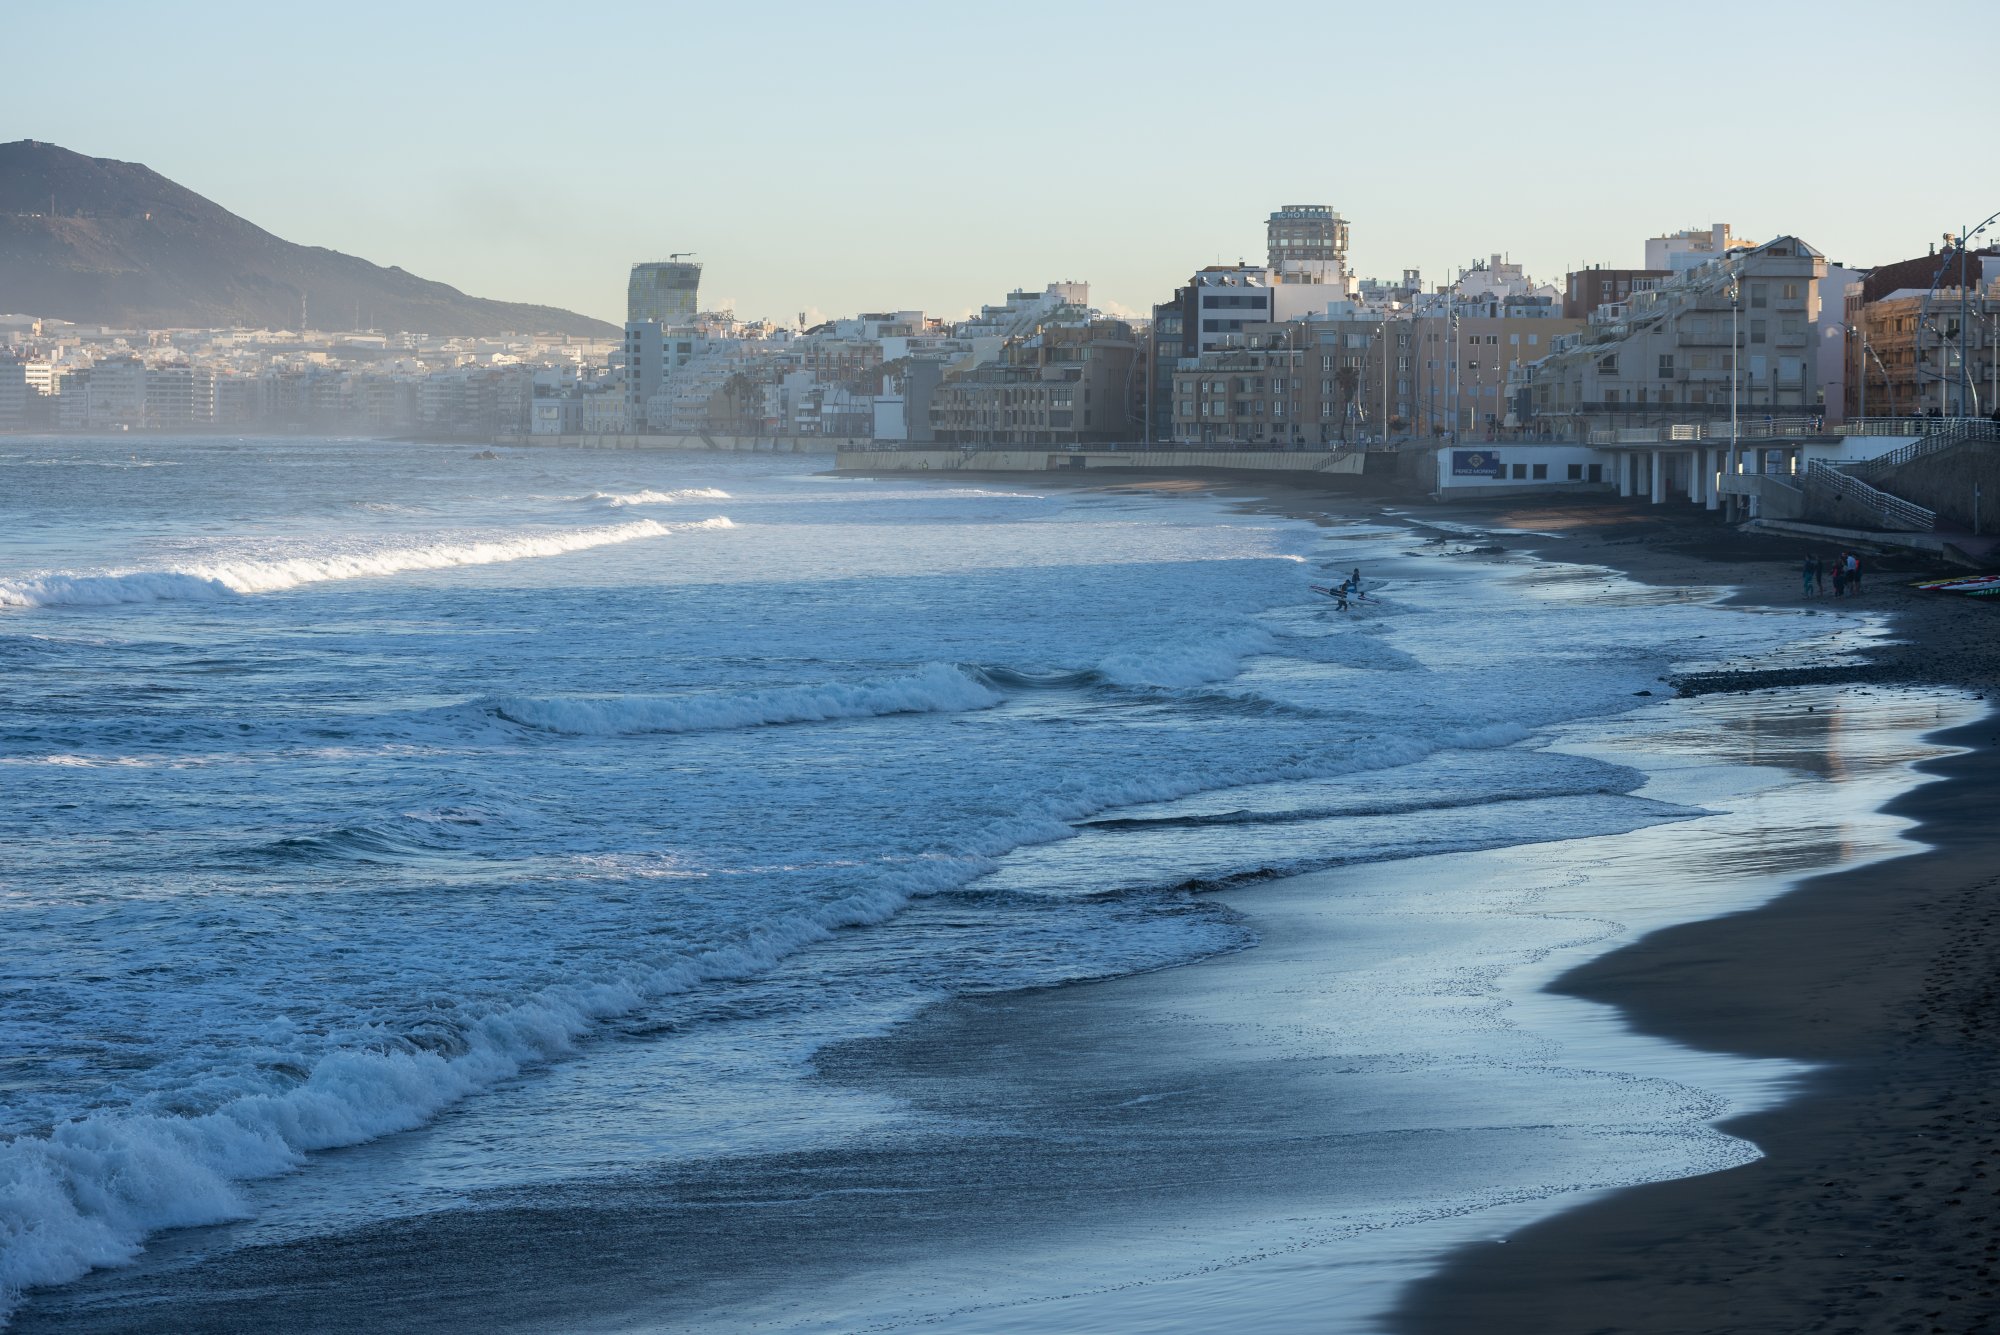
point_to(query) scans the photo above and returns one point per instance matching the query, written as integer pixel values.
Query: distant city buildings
(1297, 352)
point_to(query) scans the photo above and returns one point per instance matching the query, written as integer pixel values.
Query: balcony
(1688, 339)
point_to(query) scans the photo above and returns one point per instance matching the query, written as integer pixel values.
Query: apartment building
(1692, 247)
(13, 392)
(1587, 289)
(1672, 353)
(1913, 325)
(1067, 384)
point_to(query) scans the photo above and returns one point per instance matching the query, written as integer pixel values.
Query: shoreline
(1870, 1209)
(671, 1214)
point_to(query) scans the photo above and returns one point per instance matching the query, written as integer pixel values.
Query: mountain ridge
(100, 241)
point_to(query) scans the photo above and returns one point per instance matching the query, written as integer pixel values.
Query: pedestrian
(1808, 570)
(1853, 573)
(1819, 574)
(1840, 576)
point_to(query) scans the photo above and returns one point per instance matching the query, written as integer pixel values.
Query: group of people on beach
(1846, 570)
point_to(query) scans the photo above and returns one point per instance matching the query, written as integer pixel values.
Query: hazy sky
(839, 157)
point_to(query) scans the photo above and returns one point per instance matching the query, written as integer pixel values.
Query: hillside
(125, 246)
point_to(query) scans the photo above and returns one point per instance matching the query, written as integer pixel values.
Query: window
(1596, 473)
(1576, 472)
(1757, 331)
(1759, 298)
(1541, 472)
(1666, 366)
(1534, 339)
(1514, 339)
(1520, 472)
(1608, 365)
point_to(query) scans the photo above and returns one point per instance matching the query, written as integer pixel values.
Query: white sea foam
(213, 580)
(89, 1192)
(933, 689)
(618, 499)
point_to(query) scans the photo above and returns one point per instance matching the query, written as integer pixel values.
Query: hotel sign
(1476, 463)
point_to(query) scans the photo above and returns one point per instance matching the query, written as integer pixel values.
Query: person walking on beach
(1853, 573)
(1808, 570)
(1840, 576)
(1819, 574)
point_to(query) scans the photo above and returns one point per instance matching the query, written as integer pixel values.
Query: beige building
(1671, 355)
(1065, 384)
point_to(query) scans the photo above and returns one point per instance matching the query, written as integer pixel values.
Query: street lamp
(1734, 291)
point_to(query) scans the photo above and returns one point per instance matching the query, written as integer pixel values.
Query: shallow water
(566, 804)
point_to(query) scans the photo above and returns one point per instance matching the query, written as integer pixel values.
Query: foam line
(213, 581)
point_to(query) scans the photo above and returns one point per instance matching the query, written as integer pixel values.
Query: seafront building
(1735, 330)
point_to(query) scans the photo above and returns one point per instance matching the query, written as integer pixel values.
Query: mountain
(98, 241)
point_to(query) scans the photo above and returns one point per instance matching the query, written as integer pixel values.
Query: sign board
(1476, 463)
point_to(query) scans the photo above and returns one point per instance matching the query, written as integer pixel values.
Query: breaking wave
(617, 499)
(936, 688)
(87, 1193)
(213, 581)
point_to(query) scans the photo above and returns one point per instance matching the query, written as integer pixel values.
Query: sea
(391, 828)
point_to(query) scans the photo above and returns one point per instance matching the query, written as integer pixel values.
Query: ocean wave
(619, 499)
(88, 1192)
(1187, 664)
(936, 688)
(218, 580)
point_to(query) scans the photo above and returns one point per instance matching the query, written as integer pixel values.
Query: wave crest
(620, 499)
(212, 581)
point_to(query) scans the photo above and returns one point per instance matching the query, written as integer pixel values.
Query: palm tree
(1348, 380)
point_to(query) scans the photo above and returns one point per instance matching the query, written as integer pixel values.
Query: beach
(1314, 964)
(1872, 1208)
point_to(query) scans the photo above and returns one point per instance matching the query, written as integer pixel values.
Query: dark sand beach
(1874, 1207)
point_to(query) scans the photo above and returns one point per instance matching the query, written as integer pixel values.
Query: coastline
(1871, 1209)
(935, 1215)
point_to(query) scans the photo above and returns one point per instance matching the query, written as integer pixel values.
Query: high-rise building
(1306, 232)
(663, 292)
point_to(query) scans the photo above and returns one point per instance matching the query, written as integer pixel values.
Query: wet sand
(1875, 1207)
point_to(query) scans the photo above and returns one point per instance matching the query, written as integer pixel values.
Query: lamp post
(1735, 293)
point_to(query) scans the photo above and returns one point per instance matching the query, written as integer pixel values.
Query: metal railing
(1893, 512)
(1912, 426)
(1963, 430)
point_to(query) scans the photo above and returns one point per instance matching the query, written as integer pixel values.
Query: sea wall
(728, 444)
(1043, 459)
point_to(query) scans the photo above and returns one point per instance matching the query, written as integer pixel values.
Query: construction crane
(680, 254)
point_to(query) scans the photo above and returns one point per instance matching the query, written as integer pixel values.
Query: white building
(1228, 298)
(1677, 252)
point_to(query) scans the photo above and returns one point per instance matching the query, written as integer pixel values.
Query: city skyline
(860, 163)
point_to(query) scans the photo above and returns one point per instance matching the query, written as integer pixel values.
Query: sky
(830, 158)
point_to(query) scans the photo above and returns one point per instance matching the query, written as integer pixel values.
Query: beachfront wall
(1300, 464)
(1465, 471)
